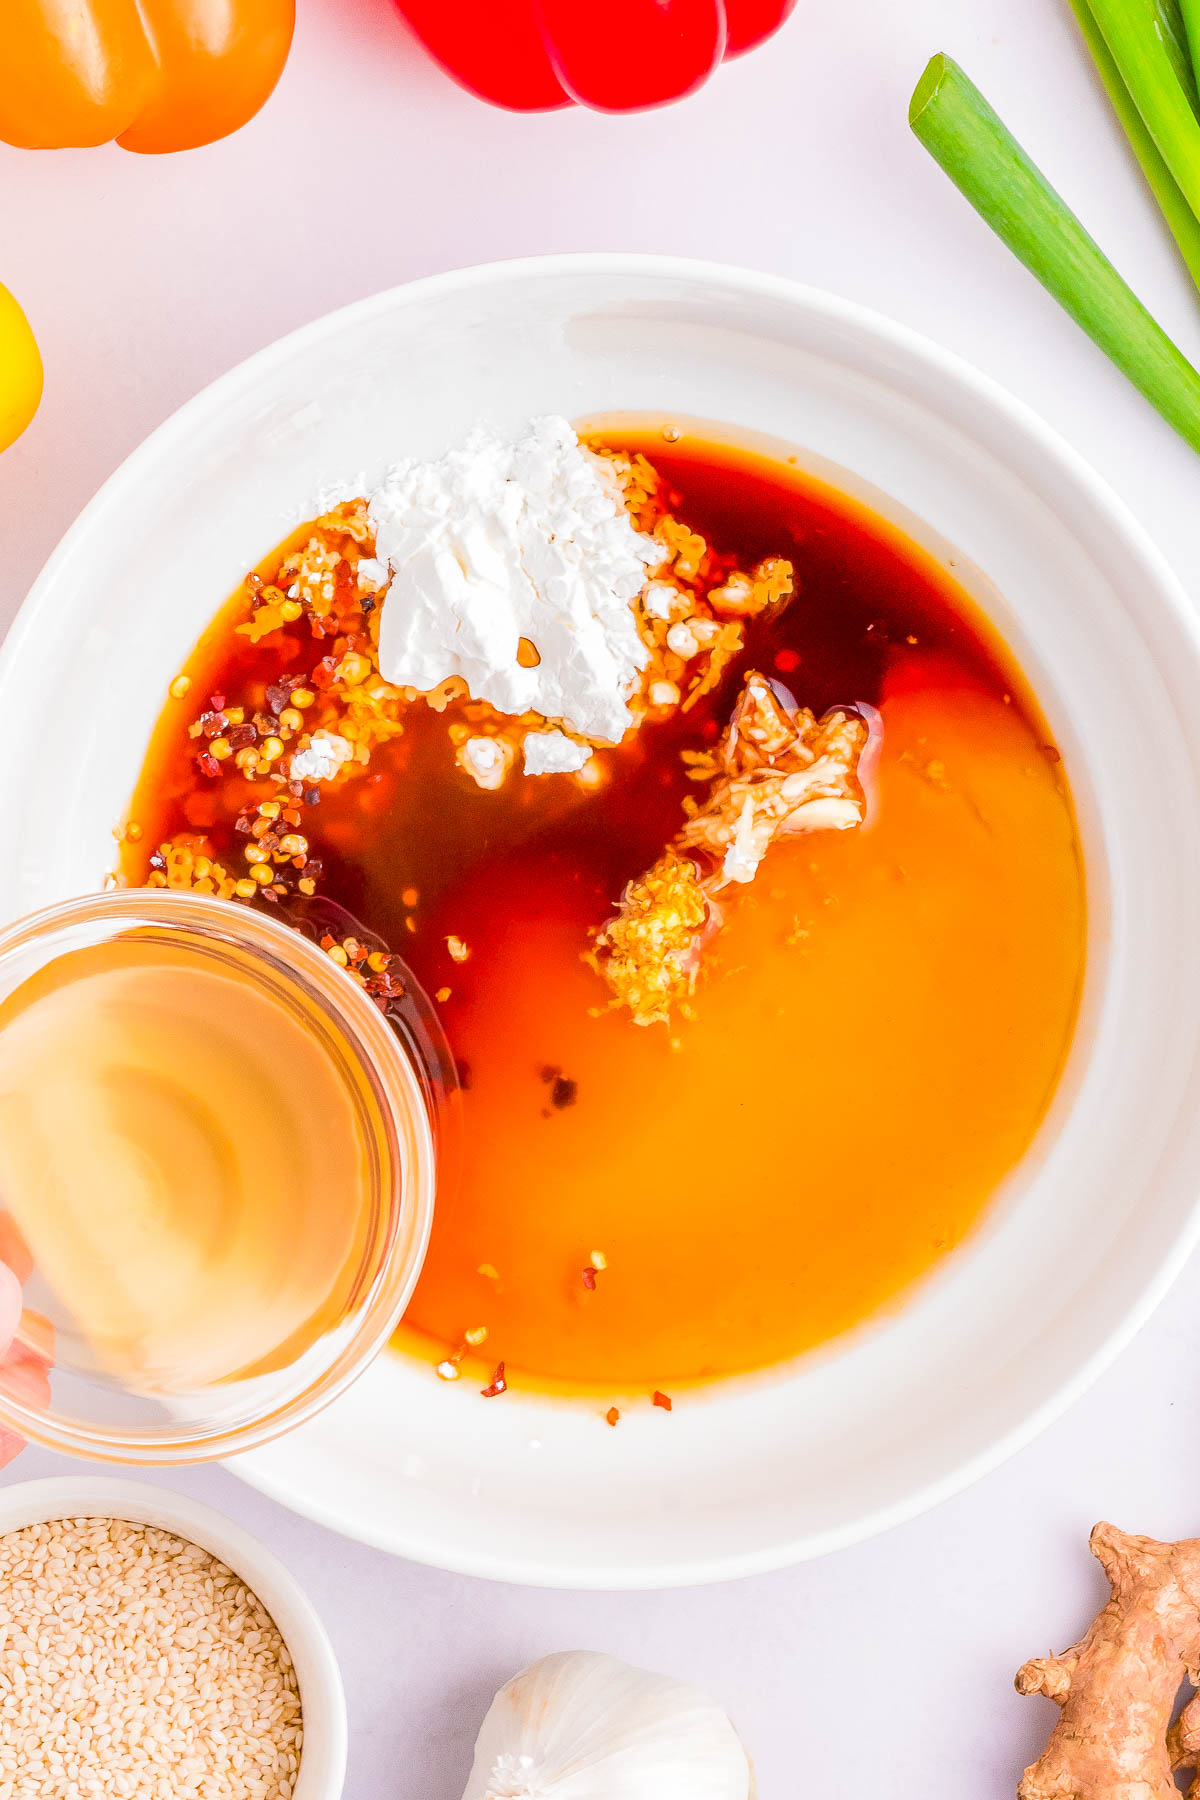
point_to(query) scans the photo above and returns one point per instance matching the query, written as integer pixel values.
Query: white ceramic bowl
(323, 1702)
(1100, 1215)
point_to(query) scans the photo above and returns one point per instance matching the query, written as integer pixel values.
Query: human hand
(10, 1314)
(25, 1338)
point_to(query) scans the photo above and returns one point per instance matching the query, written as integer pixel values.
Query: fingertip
(10, 1305)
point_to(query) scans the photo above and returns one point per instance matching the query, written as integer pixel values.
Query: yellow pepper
(20, 371)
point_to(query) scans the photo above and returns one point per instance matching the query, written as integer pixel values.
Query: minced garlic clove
(487, 760)
(778, 772)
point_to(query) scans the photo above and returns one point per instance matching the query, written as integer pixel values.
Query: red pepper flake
(588, 1277)
(387, 987)
(1051, 754)
(279, 693)
(612, 1415)
(208, 765)
(563, 1091)
(787, 660)
(497, 1385)
(663, 1400)
(324, 672)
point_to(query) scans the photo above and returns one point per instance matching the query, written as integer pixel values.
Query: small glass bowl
(89, 1412)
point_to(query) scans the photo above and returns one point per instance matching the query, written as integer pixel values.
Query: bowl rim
(322, 1696)
(938, 367)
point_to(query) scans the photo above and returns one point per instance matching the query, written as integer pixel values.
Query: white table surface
(890, 1665)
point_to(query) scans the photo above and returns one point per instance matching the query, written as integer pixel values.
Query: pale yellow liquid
(185, 1160)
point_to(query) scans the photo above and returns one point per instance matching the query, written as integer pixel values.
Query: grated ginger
(777, 772)
(649, 953)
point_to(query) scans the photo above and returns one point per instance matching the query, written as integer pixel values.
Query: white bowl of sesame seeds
(153, 1649)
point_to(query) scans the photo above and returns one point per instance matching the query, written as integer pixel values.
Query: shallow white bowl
(323, 1702)
(1102, 1212)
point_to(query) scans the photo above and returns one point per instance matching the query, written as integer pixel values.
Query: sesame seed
(134, 1663)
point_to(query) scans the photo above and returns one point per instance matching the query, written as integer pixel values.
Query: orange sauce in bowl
(878, 1031)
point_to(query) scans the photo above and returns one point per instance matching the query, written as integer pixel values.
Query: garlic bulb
(581, 1726)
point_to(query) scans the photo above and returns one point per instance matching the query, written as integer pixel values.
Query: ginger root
(1117, 1688)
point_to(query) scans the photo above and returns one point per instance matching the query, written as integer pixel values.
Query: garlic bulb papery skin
(582, 1726)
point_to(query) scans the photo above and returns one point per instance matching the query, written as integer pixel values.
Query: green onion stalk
(961, 131)
(1172, 204)
(1189, 23)
(1148, 44)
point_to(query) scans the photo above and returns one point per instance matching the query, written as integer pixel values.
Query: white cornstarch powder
(133, 1663)
(515, 544)
(321, 761)
(553, 753)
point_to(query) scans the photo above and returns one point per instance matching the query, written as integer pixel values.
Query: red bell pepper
(614, 55)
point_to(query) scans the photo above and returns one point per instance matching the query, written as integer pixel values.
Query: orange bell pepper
(20, 371)
(153, 74)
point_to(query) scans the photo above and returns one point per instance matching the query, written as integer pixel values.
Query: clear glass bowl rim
(410, 1149)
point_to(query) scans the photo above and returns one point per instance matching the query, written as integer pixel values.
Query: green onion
(959, 129)
(1190, 20)
(1163, 185)
(1149, 47)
